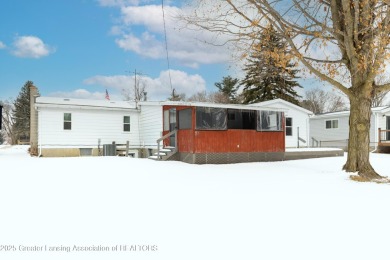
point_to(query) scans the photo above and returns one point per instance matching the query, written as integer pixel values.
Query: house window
(289, 126)
(67, 121)
(269, 121)
(208, 118)
(185, 119)
(241, 119)
(126, 124)
(329, 124)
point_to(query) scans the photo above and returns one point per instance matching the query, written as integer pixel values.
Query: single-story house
(332, 129)
(297, 129)
(198, 132)
(70, 127)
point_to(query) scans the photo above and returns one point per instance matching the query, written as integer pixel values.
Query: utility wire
(166, 46)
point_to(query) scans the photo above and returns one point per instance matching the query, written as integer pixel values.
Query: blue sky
(80, 48)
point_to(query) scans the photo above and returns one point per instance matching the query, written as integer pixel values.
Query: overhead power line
(166, 45)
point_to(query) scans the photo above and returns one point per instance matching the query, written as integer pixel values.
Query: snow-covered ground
(304, 209)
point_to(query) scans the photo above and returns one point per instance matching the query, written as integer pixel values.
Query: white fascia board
(385, 110)
(215, 105)
(84, 107)
(331, 115)
(276, 101)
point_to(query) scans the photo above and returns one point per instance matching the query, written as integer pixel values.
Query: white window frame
(125, 123)
(67, 121)
(332, 123)
(291, 127)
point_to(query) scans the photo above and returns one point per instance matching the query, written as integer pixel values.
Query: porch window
(329, 124)
(269, 121)
(166, 120)
(289, 126)
(241, 119)
(185, 119)
(208, 118)
(67, 121)
(126, 124)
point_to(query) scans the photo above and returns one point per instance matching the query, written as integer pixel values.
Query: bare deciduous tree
(221, 98)
(319, 101)
(201, 96)
(379, 99)
(342, 42)
(137, 92)
(8, 122)
(211, 97)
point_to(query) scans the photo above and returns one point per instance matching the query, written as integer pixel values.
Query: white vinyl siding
(373, 130)
(337, 137)
(382, 122)
(88, 126)
(333, 136)
(151, 125)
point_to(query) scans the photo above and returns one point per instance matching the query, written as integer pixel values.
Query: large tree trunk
(359, 139)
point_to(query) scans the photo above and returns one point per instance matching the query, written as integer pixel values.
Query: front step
(164, 150)
(163, 154)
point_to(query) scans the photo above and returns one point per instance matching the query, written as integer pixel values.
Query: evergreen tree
(21, 113)
(227, 87)
(270, 71)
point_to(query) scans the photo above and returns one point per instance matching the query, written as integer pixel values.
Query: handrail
(167, 135)
(163, 138)
(314, 141)
(302, 140)
(382, 133)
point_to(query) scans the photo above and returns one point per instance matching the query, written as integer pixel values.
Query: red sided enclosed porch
(216, 134)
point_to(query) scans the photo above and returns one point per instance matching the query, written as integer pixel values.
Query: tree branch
(382, 88)
(341, 61)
